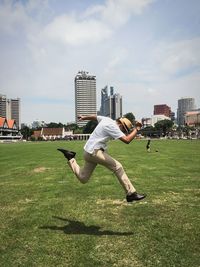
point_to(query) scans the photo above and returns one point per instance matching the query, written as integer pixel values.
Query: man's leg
(102, 158)
(106, 160)
(83, 174)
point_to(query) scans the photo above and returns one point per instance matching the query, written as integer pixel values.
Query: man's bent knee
(118, 168)
(83, 181)
(83, 178)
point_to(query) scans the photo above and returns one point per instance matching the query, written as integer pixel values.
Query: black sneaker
(68, 154)
(134, 197)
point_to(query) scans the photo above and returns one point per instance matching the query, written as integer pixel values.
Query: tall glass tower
(184, 105)
(85, 95)
(111, 105)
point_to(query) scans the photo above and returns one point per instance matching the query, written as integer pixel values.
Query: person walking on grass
(95, 151)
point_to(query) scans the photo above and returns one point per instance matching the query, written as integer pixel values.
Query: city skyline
(188, 106)
(147, 49)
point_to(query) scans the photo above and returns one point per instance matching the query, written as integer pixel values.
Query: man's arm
(128, 138)
(87, 118)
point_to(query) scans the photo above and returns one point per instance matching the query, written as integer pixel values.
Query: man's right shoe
(134, 197)
(68, 154)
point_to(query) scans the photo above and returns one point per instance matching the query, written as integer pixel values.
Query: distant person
(148, 146)
(95, 151)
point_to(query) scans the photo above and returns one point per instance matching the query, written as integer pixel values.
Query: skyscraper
(14, 110)
(10, 109)
(85, 95)
(111, 105)
(104, 97)
(184, 105)
(3, 106)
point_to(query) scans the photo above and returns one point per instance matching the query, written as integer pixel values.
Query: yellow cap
(126, 124)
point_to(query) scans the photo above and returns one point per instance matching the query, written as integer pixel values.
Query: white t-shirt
(106, 130)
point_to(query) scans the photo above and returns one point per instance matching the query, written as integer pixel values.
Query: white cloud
(115, 61)
(16, 17)
(166, 61)
(118, 12)
(12, 17)
(74, 30)
(68, 30)
(92, 10)
(174, 58)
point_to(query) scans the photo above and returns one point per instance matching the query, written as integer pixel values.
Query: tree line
(161, 128)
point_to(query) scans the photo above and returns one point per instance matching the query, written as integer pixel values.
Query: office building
(104, 97)
(14, 111)
(184, 105)
(162, 110)
(172, 116)
(156, 118)
(165, 110)
(85, 95)
(146, 122)
(111, 105)
(192, 118)
(3, 106)
(10, 109)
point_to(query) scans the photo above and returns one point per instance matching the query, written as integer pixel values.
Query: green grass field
(49, 219)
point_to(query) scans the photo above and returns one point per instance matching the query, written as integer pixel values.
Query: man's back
(106, 129)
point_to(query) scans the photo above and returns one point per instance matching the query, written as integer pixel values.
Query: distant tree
(89, 127)
(164, 126)
(32, 138)
(72, 127)
(150, 131)
(130, 116)
(26, 132)
(79, 130)
(55, 125)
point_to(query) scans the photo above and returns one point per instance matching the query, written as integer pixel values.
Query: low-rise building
(9, 129)
(192, 118)
(156, 118)
(52, 133)
(146, 122)
(162, 109)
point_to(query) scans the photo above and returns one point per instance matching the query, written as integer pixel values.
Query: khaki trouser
(102, 158)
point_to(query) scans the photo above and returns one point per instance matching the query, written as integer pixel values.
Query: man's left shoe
(134, 197)
(68, 154)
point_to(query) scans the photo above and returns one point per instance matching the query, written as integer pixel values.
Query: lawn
(49, 219)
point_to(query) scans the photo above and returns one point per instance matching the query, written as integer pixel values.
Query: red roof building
(8, 129)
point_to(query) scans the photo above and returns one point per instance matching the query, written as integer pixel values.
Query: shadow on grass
(76, 227)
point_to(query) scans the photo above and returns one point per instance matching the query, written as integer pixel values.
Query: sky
(149, 50)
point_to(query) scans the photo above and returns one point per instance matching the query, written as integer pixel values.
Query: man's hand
(138, 125)
(128, 138)
(89, 117)
(80, 117)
